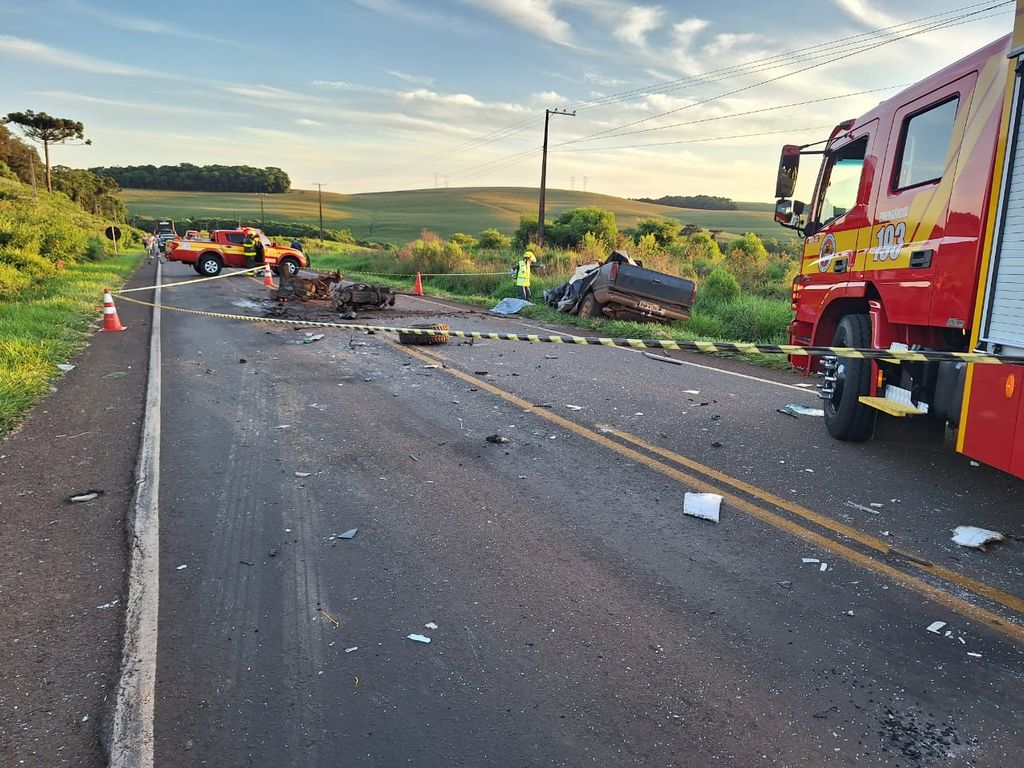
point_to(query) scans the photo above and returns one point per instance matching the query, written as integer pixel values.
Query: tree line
(703, 202)
(186, 177)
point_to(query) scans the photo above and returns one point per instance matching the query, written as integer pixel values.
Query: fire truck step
(892, 407)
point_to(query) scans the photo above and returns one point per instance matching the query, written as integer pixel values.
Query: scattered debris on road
(497, 439)
(424, 339)
(419, 638)
(936, 627)
(862, 508)
(821, 566)
(84, 496)
(283, 426)
(66, 367)
(706, 506)
(349, 534)
(795, 409)
(116, 375)
(311, 338)
(181, 567)
(303, 474)
(348, 298)
(430, 625)
(109, 605)
(353, 648)
(295, 288)
(976, 538)
(331, 619)
(246, 562)
(574, 407)
(663, 358)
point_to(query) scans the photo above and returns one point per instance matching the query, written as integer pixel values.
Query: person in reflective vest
(523, 275)
(249, 250)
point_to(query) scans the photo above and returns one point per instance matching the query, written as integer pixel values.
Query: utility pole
(320, 198)
(263, 219)
(572, 183)
(544, 169)
(584, 183)
(436, 174)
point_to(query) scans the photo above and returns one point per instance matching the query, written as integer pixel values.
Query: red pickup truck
(224, 249)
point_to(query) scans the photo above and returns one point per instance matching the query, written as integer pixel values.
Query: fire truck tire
(208, 265)
(426, 338)
(591, 307)
(288, 267)
(846, 418)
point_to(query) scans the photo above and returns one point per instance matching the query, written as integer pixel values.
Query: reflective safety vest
(249, 248)
(523, 273)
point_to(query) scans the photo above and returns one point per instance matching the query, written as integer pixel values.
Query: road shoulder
(63, 565)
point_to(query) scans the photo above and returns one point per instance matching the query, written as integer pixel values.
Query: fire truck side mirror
(789, 213)
(789, 167)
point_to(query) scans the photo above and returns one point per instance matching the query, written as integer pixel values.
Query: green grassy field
(46, 324)
(398, 217)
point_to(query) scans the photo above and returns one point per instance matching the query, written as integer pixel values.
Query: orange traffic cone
(268, 277)
(417, 290)
(111, 322)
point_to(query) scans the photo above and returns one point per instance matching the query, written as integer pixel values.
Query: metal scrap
(295, 288)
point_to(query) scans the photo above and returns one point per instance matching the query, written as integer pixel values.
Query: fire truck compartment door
(1004, 306)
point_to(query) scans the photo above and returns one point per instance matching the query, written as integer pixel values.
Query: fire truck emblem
(827, 252)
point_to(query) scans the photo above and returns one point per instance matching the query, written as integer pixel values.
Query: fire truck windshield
(841, 181)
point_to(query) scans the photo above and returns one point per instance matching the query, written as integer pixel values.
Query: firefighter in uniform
(249, 250)
(523, 275)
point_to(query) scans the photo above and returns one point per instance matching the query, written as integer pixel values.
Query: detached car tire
(846, 418)
(423, 339)
(208, 266)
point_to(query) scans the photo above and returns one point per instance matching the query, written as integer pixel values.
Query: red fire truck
(914, 239)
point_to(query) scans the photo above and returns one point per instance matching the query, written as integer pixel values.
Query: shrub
(747, 260)
(664, 231)
(465, 241)
(720, 287)
(592, 248)
(12, 281)
(492, 239)
(95, 248)
(526, 232)
(569, 229)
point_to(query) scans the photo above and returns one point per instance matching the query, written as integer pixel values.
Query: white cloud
(307, 122)
(683, 32)
(536, 16)
(863, 11)
(728, 41)
(411, 79)
(23, 48)
(637, 21)
(134, 106)
(407, 12)
(151, 26)
(452, 99)
(549, 97)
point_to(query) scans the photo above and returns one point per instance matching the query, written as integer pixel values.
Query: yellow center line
(906, 580)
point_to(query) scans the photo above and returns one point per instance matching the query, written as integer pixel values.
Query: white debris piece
(109, 605)
(862, 508)
(66, 367)
(970, 536)
(823, 567)
(283, 426)
(691, 391)
(936, 627)
(574, 407)
(430, 625)
(974, 655)
(795, 409)
(181, 567)
(811, 560)
(303, 474)
(703, 505)
(419, 638)
(975, 464)
(353, 648)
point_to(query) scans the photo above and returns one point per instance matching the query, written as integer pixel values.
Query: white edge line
(805, 390)
(131, 744)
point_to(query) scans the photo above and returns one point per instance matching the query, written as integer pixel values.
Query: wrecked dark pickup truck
(624, 289)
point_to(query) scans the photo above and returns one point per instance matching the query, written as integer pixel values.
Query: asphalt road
(582, 619)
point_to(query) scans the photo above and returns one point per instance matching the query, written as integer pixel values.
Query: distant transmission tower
(584, 183)
(446, 181)
(572, 183)
(436, 174)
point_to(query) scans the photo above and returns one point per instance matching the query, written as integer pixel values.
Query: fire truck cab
(914, 239)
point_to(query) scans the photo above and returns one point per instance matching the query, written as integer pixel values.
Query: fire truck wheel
(846, 418)
(441, 337)
(289, 267)
(208, 266)
(591, 307)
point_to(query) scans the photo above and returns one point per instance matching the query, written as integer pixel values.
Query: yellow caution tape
(708, 347)
(221, 276)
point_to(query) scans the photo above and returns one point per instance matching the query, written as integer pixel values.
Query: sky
(375, 95)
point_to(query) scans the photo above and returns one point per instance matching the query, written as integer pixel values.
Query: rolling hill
(398, 217)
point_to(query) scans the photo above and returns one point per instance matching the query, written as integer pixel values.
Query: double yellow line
(832, 536)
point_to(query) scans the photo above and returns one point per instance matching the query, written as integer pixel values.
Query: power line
(751, 67)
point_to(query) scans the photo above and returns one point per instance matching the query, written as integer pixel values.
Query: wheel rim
(210, 267)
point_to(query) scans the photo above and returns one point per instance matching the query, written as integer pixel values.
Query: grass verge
(45, 324)
(747, 319)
